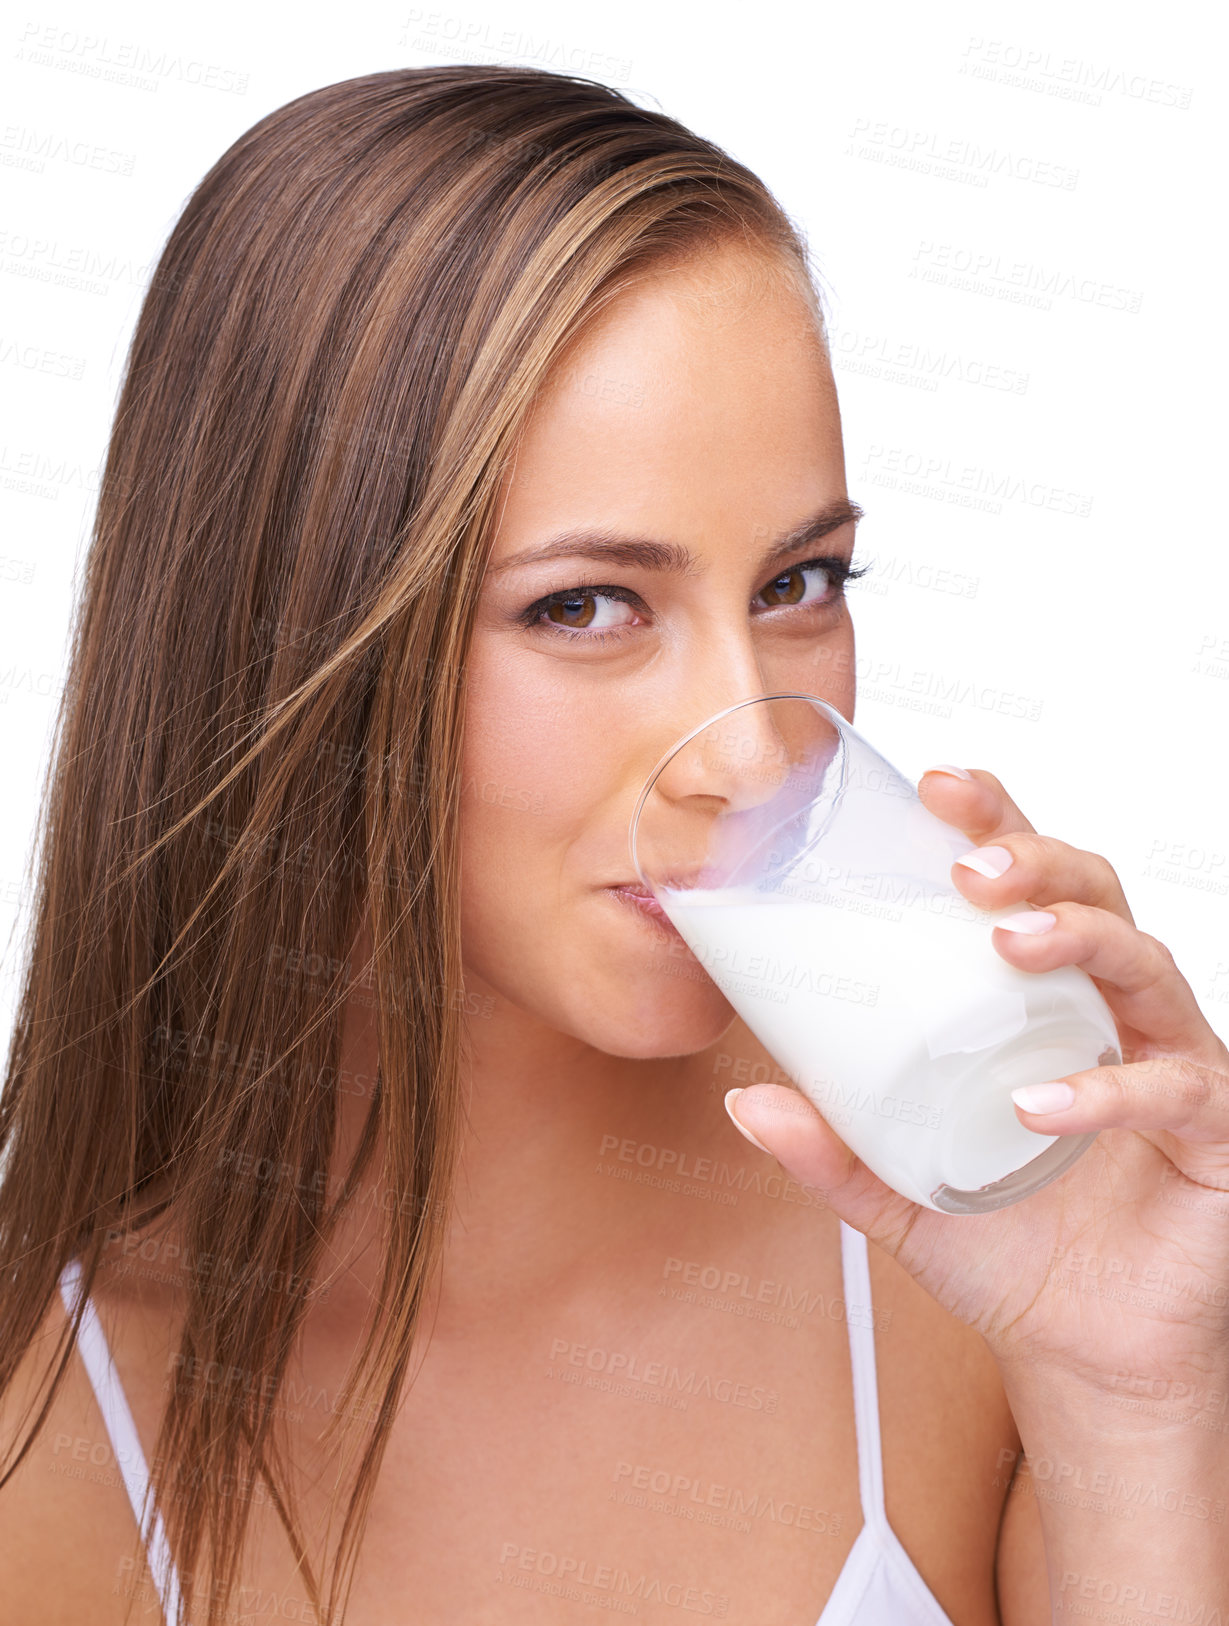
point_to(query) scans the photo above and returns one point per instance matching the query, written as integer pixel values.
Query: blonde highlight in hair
(260, 733)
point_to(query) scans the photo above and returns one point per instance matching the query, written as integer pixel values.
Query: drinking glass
(809, 881)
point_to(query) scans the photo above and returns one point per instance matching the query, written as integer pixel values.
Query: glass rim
(838, 717)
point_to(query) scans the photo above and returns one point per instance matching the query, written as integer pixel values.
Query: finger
(979, 805)
(1135, 972)
(1041, 870)
(1174, 1094)
(783, 1123)
(786, 1125)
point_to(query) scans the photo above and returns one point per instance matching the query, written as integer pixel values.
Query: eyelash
(838, 569)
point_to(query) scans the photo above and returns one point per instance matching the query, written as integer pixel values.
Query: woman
(478, 438)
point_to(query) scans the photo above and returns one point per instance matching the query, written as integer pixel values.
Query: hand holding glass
(813, 886)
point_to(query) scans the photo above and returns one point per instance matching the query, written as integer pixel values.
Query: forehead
(697, 408)
(695, 309)
(713, 360)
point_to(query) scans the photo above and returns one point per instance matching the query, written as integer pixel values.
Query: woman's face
(699, 414)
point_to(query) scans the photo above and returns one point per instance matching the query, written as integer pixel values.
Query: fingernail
(1031, 921)
(946, 767)
(988, 861)
(741, 1128)
(1042, 1098)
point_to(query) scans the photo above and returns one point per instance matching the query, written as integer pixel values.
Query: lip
(647, 906)
(679, 880)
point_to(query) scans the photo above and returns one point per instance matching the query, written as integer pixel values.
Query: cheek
(825, 668)
(527, 775)
(548, 782)
(530, 787)
(546, 791)
(539, 759)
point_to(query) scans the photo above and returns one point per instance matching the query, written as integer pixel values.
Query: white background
(1017, 221)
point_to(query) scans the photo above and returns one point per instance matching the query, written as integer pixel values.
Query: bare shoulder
(69, 1546)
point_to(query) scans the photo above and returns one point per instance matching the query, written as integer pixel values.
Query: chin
(658, 1017)
(624, 985)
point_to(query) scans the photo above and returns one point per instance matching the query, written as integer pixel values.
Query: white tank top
(878, 1585)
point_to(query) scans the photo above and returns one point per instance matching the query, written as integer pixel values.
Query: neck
(553, 1136)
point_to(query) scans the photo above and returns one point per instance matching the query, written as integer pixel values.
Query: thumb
(783, 1123)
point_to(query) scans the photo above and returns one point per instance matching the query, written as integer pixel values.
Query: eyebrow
(646, 554)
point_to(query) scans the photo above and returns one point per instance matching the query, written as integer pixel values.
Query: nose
(734, 760)
(736, 751)
(713, 808)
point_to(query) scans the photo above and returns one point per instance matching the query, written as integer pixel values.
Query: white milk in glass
(899, 1021)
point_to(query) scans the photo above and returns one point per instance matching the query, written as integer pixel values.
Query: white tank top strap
(125, 1441)
(859, 1317)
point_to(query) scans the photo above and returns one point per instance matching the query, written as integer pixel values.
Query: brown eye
(566, 617)
(795, 588)
(587, 613)
(790, 587)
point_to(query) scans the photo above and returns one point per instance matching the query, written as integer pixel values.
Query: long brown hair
(260, 731)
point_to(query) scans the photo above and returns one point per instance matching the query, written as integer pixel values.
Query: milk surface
(898, 1020)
